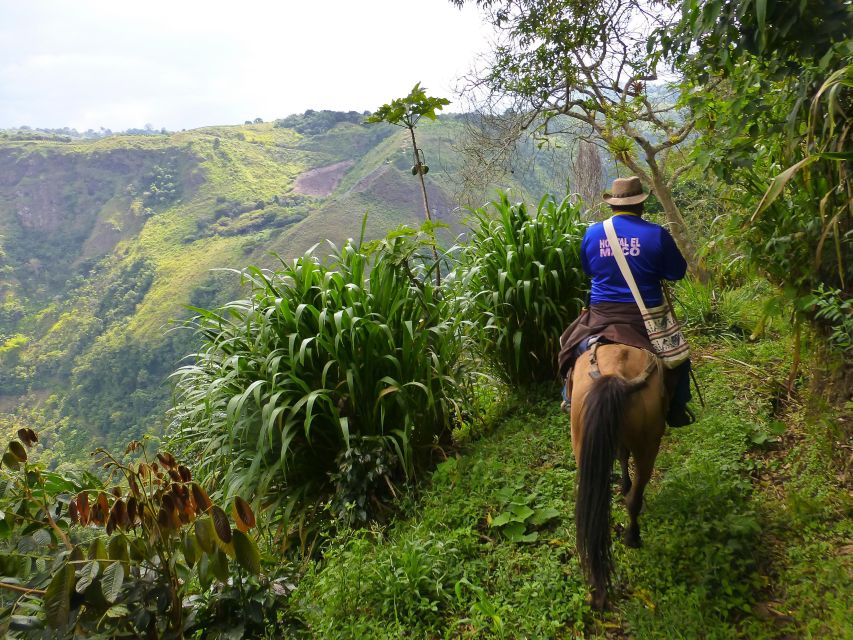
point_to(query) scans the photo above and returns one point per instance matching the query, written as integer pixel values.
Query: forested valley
(298, 378)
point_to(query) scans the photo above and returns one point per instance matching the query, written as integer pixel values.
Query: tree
(406, 112)
(588, 174)
(588, 61)
(775, 110)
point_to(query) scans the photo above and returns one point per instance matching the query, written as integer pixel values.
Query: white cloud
(187, 63)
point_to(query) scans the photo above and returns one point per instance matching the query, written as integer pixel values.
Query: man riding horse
(613, 315)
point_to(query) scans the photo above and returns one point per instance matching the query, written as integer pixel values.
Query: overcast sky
(187, 63)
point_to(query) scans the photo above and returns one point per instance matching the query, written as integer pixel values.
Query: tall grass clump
(522, 281)
(329, 386)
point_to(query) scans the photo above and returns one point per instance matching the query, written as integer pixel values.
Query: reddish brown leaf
(163, 519)
(243, 515)
(111, 525)
(168, 502)
(202, 502)
(83, 507)
(166, 459)
(116, 491)
(119, 515)
(221, 524)
(186, 475)
(131, 511)
(175, 476)
(134, 487)
(101, 510)
(72, 511)
(144, 471)
(28, 436)
(17, 450)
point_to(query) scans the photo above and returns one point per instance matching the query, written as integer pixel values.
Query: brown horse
(618, 407)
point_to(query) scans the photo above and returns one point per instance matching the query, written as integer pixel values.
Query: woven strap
(616, 251)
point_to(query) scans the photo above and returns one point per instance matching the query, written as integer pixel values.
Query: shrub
(522, 278)
(320, 367)
(84, 558)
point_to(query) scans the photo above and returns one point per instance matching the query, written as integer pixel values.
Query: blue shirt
(650, 251)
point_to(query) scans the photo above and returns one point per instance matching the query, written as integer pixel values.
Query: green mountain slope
(104, 242)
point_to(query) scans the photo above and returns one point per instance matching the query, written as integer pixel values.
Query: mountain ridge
(105, 242)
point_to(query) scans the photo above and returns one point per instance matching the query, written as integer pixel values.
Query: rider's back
(650, 251)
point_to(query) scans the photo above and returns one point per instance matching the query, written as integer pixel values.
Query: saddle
(592, 343)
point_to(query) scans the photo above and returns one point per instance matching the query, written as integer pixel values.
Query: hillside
(104, 242)
(746, 528)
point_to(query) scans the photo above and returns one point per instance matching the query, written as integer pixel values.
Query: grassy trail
(746, 531)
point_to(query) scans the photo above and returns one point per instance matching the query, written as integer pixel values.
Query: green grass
(732, 549)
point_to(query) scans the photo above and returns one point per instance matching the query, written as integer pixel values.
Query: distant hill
(103, 242)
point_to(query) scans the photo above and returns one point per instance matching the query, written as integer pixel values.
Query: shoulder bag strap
(616, 251)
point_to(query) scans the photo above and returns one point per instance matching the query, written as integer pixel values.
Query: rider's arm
(673, 264)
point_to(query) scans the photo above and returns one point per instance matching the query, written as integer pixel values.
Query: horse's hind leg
(643, 473)
(626, 479)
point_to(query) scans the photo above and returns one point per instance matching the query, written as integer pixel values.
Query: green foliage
(405, 112)
(723, 312)
(521, 278)
(831, 308)
(444, 571)
(323, 365)
(518, 514)
(161, 187)
(773, 109)
(312, 123)
(253, 607)
(88, 558)
(714, 532)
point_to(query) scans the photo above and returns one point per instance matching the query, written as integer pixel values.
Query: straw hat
(625, 191)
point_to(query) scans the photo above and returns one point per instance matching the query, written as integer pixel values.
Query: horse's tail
(603, 409)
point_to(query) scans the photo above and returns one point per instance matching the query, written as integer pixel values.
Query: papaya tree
(406, 112)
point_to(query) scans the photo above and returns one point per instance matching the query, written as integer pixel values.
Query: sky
(180, 64)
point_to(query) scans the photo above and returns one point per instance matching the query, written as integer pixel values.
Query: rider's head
(626, 194)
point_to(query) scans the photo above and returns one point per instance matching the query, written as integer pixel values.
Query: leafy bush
(836, 312)
(84, 558)
(324, 361)
(522, 278)
(721, 311)
(312, 123)
(410, 581)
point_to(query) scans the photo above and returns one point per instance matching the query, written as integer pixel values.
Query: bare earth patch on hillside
(323, 180)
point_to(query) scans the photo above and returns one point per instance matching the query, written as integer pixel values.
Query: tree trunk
(420, 172)
(678, 228)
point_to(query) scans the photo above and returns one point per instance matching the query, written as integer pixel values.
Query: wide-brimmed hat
(625, 191)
